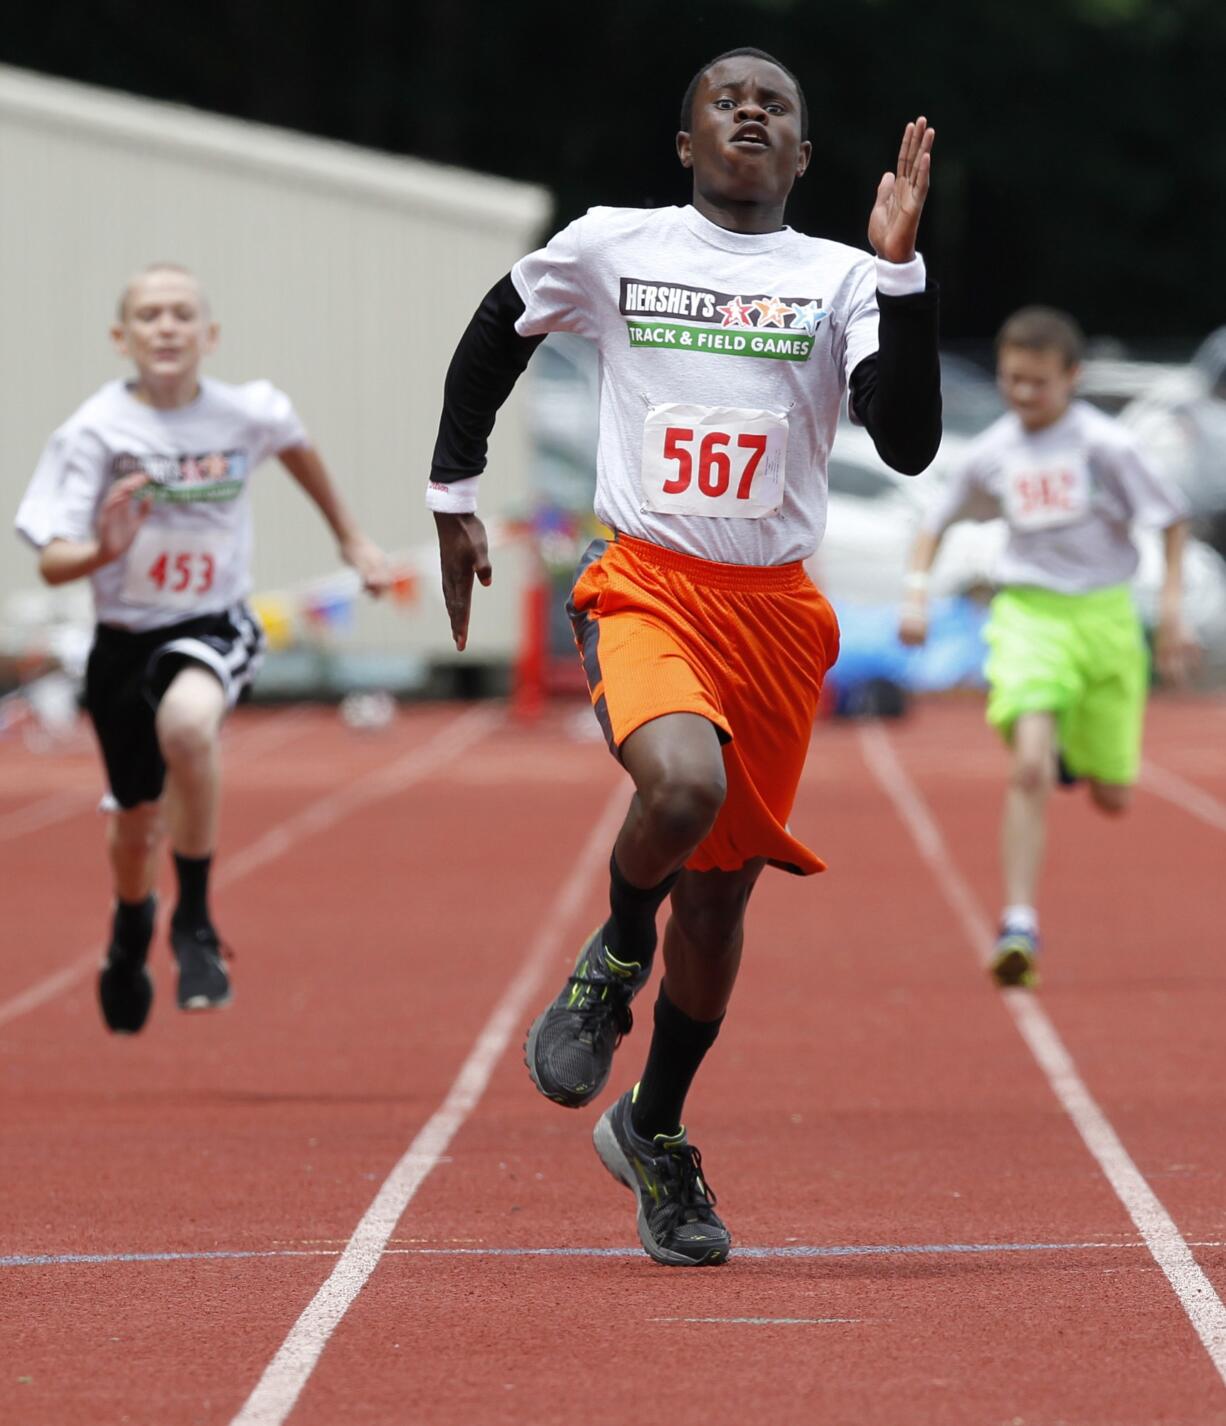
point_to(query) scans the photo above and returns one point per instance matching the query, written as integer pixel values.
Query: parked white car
(873, 517)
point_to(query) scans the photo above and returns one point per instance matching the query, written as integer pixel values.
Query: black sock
(678, 1045)
(630, 932)
(132, 928)
(193, 874)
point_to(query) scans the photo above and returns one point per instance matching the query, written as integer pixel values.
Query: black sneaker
(125, 987)
(204, 983)
(569, 1049)
(677, 1221)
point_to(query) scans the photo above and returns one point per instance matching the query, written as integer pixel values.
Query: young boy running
(1067, 668)
(145, 491)
(726, 344)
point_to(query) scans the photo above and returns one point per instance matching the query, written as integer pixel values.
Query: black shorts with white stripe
(129, 672)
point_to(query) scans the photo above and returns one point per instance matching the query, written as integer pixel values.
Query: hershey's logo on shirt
(730, 324)
(216, 475)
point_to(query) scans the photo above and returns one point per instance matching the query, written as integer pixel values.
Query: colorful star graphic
(771, 311)
(736, 313)
(809, 316)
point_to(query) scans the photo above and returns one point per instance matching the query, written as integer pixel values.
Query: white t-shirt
(724, 358)
(193, 554)
(1069, 495)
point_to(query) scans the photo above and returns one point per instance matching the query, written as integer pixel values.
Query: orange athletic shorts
(745, 646)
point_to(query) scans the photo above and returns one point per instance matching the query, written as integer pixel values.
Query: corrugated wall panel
(344, 277)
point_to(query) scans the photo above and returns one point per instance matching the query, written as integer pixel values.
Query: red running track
(924, 1234)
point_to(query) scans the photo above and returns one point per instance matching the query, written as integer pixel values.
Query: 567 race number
(714, 461)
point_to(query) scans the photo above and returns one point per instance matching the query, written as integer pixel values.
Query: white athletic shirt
(746, 340)
(193, 554)
(1069, 495)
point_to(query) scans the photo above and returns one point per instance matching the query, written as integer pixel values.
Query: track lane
(900, 1105)
(269, 1124)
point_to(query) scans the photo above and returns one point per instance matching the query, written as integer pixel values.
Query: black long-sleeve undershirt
(488, 361)
(896, 392)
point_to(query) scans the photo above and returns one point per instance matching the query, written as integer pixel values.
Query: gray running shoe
(204, 983)
(569, 1049)
(677, 1221)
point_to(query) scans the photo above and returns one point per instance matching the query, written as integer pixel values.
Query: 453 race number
(169, 570)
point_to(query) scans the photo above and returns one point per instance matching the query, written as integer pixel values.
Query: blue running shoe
(1015, 961)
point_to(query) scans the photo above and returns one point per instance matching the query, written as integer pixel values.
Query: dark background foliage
(1081, 153)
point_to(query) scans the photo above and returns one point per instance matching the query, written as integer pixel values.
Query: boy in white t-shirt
(727, 344)
(1067, 668)
(145, 492)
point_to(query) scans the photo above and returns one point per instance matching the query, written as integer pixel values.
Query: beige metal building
(342, 275)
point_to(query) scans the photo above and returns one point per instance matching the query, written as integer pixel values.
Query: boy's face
(166, 329)
(1038, 385)
(744, 143)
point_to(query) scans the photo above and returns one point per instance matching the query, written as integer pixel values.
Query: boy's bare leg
(1023, 827)
(678, 772)
(188, 726)
(134, 838)
(1023, 837)
(703, 941)
(704, 938)
(125, 990)
(1113, 798)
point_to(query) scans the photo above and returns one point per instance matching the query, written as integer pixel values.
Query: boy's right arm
(489, 359)
(120, 516)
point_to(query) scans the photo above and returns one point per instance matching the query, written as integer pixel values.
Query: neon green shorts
(1081, 657)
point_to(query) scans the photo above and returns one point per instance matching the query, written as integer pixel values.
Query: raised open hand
(894, 221)
(122, 512)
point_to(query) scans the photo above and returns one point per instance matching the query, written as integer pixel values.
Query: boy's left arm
(306, 466)
(1175, 645)
(896, 392)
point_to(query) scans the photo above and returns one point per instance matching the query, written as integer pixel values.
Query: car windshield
(969, 397)
(850, 478)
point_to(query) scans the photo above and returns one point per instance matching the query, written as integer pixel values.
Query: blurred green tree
(1082, 143)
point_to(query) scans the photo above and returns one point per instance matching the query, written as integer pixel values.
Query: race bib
(713, 460)
(1044, 496)
(169, 569)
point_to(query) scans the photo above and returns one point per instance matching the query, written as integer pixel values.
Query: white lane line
(374, 787)
(73, 802)
(46, 812)
(761, 1321)
(1195, 1292)
(286, 1375)
(788, 1252)
(1183, 794)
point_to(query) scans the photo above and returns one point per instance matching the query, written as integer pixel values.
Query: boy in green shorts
(1067, 666)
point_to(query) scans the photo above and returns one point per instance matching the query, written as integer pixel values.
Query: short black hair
(1043, 329)
(687, 102)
